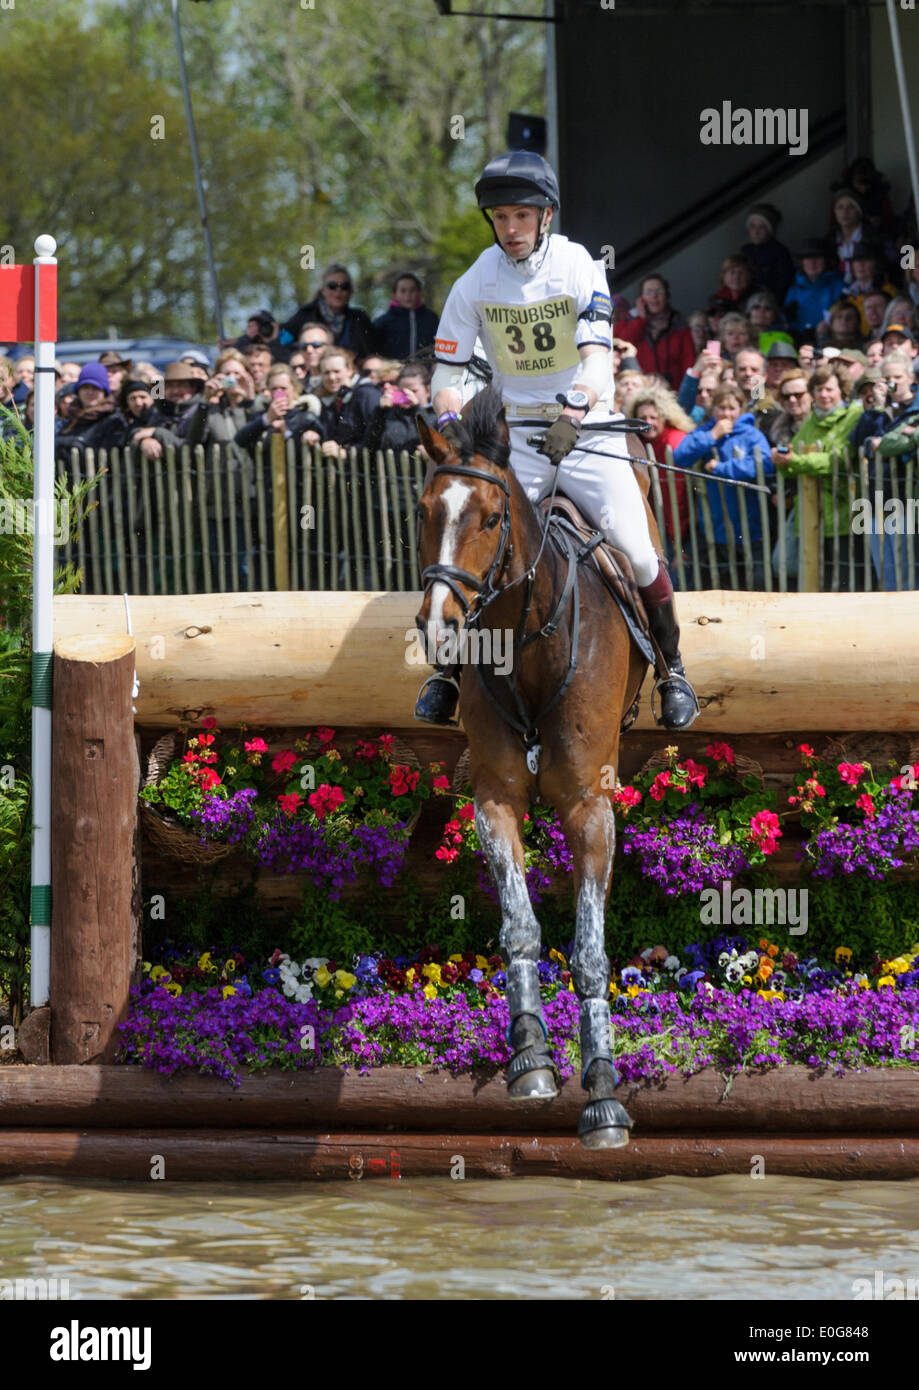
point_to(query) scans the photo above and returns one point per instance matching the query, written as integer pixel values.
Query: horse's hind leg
(590, 831)
(531, 1074)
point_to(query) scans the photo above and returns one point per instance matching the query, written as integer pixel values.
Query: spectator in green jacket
(824, 433)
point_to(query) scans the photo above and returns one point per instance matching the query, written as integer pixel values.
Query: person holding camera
(392, 424)
(262, 328)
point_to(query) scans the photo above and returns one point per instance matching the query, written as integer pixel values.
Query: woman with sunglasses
(349, 327)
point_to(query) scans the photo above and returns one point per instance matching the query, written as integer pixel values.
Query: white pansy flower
(304, 994)
(672, 963)
(289, 988)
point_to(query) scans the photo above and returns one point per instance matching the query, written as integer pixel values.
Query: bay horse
(548, 730)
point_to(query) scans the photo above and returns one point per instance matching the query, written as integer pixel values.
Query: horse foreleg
(531, 1074)
(590, 831)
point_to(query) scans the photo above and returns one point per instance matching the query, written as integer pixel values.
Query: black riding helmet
(519, 178)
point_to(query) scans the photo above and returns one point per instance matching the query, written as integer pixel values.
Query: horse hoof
(604, 1124)
(614, 1137)
(531, 1075)
(534, 1085)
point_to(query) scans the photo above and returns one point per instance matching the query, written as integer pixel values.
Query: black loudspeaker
(526, 132)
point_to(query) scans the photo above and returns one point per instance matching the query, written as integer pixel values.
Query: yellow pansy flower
(614, 989)
(454, 960)
(430, 991)
(770, 994)
(159, 972)
(345, 979)
(886, 980)
(432, 972)
(174, 989)
(843, 953)
(322, 977)
(481, 963)
(410, 975)
(230, 966)
(747, 980)
(228, 990)
(557, 955)
(205, 962)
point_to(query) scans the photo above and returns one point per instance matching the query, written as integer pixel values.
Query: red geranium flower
(283, 762)
(441, 784)
(289, 803)
(720, 753)
(209, 722)
(660, 784)
(466, 812)
(256, 745)
(386, 744)
(865, 803)
(325, 735)
(325, 799)
(695, 772)
(208, 778)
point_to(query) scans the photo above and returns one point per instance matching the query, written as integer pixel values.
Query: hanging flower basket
(163, 827)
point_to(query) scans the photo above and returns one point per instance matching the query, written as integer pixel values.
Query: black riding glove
(560, 439)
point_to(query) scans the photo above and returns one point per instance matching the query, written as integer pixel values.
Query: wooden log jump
(237, 1155)
(95, 774)
(792, 1099)
(757, 661)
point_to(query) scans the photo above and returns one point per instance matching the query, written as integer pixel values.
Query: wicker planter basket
(178, 842)
(163, 827)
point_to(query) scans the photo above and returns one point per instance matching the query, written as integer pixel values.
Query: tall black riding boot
(438, 697)
(679, 706)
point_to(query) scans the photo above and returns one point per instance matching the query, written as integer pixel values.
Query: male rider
(540, 306)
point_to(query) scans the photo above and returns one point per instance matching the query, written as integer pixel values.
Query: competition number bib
(532, 339)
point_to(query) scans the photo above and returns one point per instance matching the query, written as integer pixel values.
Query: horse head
(464, 517)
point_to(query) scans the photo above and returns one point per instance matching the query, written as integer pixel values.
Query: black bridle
(487, 590)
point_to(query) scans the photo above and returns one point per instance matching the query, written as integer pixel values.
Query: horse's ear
(435, 446)
(503, 430)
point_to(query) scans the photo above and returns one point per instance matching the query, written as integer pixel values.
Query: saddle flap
(614, 565)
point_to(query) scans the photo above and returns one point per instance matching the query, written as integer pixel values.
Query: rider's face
(517, 229)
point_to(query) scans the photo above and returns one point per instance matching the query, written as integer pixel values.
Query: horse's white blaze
(454, 499)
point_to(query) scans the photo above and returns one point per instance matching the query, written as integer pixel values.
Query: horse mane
(482, 429)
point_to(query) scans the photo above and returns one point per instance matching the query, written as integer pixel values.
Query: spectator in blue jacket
(407, 324)
(732, 438)
(816, 287)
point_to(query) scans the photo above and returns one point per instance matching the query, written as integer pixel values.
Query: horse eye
(492, 521)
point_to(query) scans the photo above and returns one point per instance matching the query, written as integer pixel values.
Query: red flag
(17, 304)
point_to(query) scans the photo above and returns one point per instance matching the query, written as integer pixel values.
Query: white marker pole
(42, 640)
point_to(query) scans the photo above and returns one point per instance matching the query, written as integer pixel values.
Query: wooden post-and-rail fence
(204, 520)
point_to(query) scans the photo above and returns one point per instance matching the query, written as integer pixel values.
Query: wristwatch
(574, 400)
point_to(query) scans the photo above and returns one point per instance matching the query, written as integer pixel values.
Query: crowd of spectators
(800, 355)
(798, 352)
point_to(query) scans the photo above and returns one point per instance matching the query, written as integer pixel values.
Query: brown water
(715, 1238)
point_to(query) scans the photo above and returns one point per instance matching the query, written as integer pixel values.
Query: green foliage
(15, 694)
(209, 919)
(332, 128)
